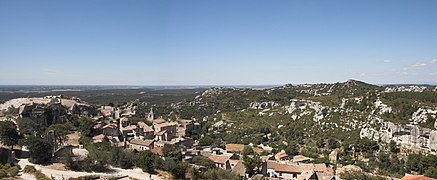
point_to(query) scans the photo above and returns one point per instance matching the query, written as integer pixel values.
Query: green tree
(431, 172)
(177, 169)
(147, 161)
(333, 143)
(86, 126)
(384, 160)
(292, 149)
(67, 159)
(125, 159)
(8, 133)
(393, 147)
(206, 141)
(40, 151)
(27, 126)
(353, 175)
(365, 145)
(61, 131)
(203, 161)
(247, 150)
(217, 173)
(413, 163)
(252, 163)
(172, 152)
(320, 143)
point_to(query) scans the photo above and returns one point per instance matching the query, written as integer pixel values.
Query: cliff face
(409, 136)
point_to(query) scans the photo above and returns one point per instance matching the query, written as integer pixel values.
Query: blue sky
(247, 42)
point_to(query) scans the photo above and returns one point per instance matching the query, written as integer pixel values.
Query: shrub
(203, 161)
(29, 169)
(41, 176)
(218, 174)
(37, 173)
(6, 166)
(13, 171)
(3, 174)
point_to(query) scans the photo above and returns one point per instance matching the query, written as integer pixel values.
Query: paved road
(59, 174)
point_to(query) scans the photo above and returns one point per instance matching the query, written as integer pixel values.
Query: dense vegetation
(305, 136)
(295, 132)
(105, 96)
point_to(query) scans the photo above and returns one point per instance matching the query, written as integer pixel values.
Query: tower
(151, 116)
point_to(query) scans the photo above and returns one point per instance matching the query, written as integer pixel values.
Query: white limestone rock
(421, 115)
(383, 108)
(433, 140)
(263, 105)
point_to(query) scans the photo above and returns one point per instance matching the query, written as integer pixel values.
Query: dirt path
(59, 174)
(26, 176)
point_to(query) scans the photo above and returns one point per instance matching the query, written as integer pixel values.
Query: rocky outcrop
(422, 115)
(307, 106)
(369, 133)
(383, 108)
(263, 105)
(433, 141)
(409, 136)
(406, 89)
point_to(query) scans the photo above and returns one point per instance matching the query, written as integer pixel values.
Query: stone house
(111, 130)
(141, 144)
(188, 126)
(162, 136)
(268, 168)
(107, 110)
(146, 131)
(129, 131)
(239, 169)
(221, 161)
(165, 131)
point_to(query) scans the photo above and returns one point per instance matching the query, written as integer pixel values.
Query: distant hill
(337, 110)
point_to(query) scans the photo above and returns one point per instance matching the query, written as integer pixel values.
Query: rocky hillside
(342, 110)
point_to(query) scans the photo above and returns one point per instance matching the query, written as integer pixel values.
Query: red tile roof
(271, 164)
(158, 151)
(221, 159)
(320, 167)
(287, 168)
(330, 170)
(281, 155)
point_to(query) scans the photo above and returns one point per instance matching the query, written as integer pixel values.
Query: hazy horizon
(202, 85)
